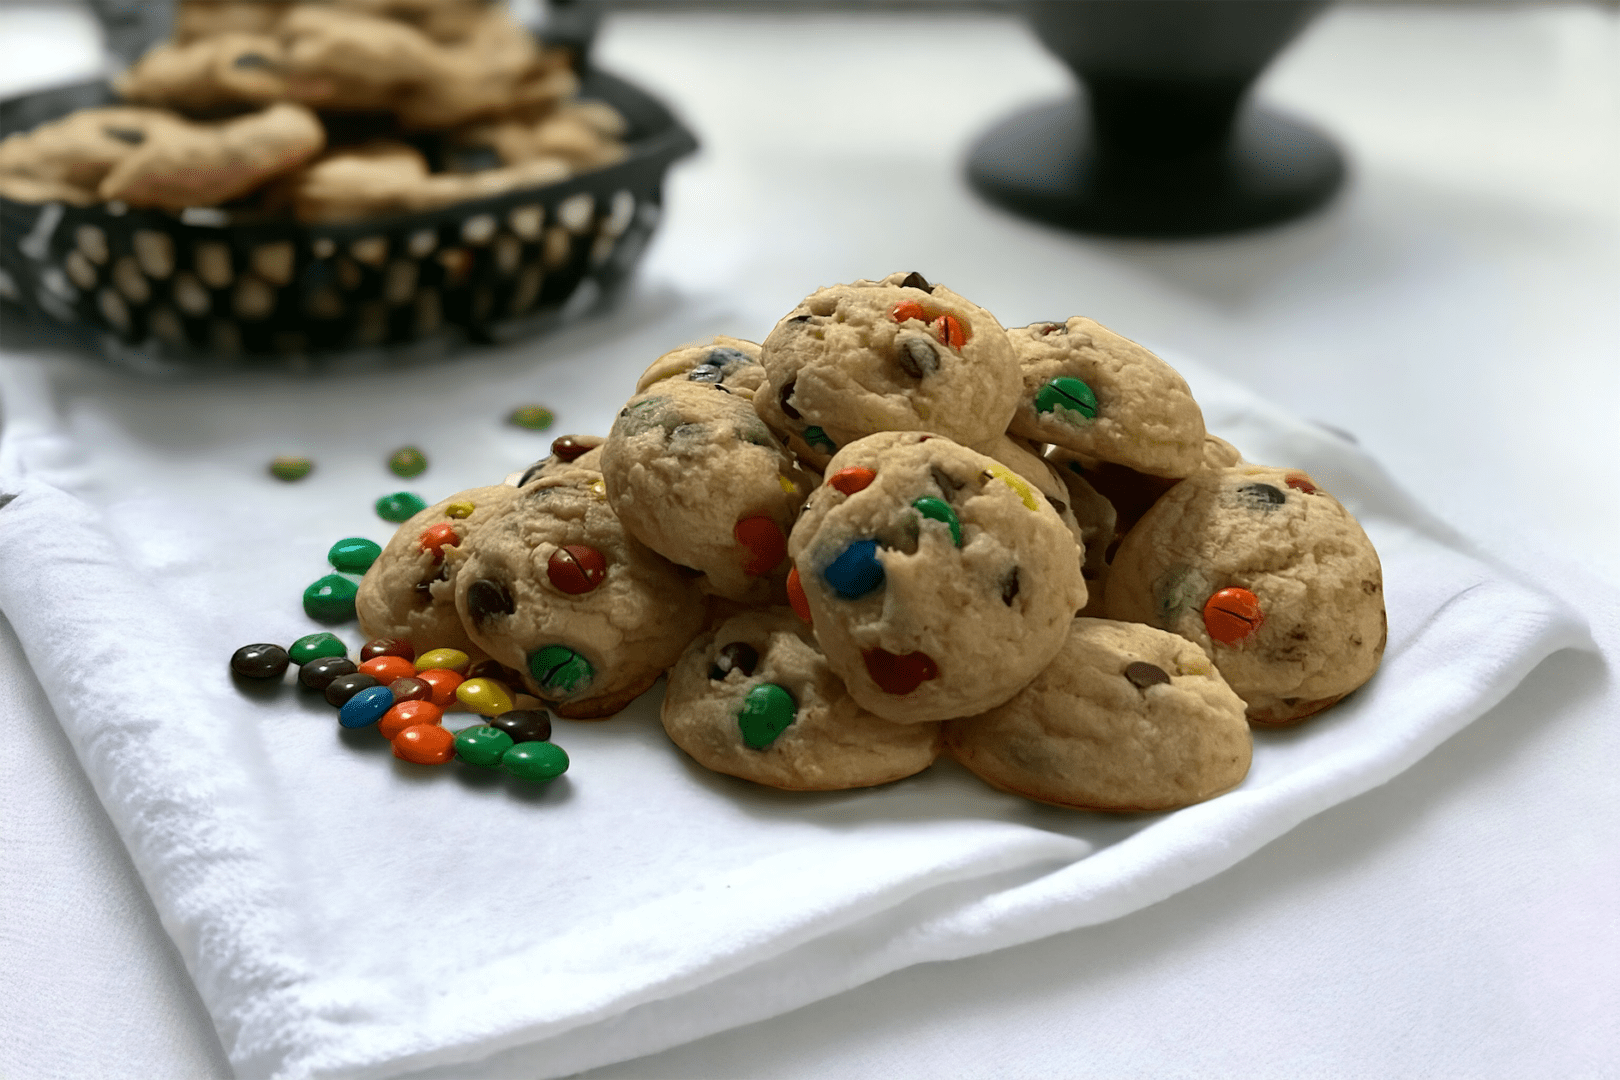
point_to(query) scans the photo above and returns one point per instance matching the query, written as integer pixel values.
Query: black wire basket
(217, 286)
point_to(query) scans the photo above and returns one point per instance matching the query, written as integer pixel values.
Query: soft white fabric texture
(347, 915)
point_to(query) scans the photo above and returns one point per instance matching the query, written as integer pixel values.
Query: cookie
(891, 355)
(67, 159)
(209, 74)
(1220, 454)
(408, 592)
(755, 698)
(555, 588)
(695, 475)
(385, 177)
(726, 361)
(939, 581)
(585, 135)
(196, 19)
(1126, 719)
(1269, 575)
(208, 164)
(1091, 391)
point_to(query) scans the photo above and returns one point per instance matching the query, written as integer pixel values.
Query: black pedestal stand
(1162, 142)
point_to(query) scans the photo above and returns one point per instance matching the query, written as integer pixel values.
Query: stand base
(1042, 163)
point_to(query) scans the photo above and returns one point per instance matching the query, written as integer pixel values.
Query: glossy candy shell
(535, 761)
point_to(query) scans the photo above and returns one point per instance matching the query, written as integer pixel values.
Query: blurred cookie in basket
(196, 19)
(150, 158)
(214, 73)
(584, 134)
(694, 474)
(754, 698)
(1125, 719)
(938, 580)
(556, 588)
(409, 591)
(1270, 575)
(898, 354)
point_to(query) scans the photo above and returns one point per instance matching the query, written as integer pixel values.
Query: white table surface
(1458, 310)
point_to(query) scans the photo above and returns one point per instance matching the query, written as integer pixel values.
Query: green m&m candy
(940, 510)
(535, 761)
(533, 417)
(1071, 399)
(353, 555)
(767, 711)
(818, 440)
(560, 670)
(482, 745)
(314, 646)
(407, 461)
(400, 506)
(331, 599)
(291, 468)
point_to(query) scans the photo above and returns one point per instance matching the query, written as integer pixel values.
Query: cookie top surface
(1269, 574)
(754, 698)
(938, 579)
(726, 361)
(694, 474)
(1125, 718)
(556, 588)
(871, 356)
(409, 591)
(1089, 390)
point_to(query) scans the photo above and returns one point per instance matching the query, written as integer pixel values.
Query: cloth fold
(345, 915)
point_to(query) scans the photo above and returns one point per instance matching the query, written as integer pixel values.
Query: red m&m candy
(436, 538)
(1232, 615)
(576, 569)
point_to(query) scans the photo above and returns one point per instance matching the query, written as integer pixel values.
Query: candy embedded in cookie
(755, 698)
(1270, 575)
(567, 452)
(1126, 718)
(938, 580)
(729, 362)
(891, 355)
(695, 475)
(556, 589)
(1088, 390)
(408, 593)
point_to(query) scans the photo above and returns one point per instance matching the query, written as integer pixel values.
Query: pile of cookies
(897, 529)
(245, 98)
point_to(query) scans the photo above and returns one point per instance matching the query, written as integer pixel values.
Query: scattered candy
(385, 669)
(486, 697)
(899, 675)
(532, 417)
(1232, 615)
(573, 569)
(766, 545)
(354, 555)
(425, 744)
(314, 646)
(767, 711)
(410, 689)
(330, 599)
(386, 646)
(851, 480)
(559, 669)
(291, 468)
(319, 673)
(341, 689)
(1068, 397)
(404, 714)
(443, 659)
(442, 682)
(436, 538)
(400, 506)
(535, 761)
(407, 462)
(365, 707)
(940, 510)
(482, 745)
(856, 571)
(259, 661)
(524, 725)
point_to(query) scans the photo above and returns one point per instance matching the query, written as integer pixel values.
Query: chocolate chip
(487, 599)
(1144, 675)
(250, 61)
(800, 318)
(916, 357)
(915, 280)
(132, 136)
(737, 656)
(1058, 504)
(1009, 586)
(424, 588)
(782, 398)
(1262, 496)
(948, 485)
(533, 471)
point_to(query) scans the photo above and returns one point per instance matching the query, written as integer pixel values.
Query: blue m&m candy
(856, 571)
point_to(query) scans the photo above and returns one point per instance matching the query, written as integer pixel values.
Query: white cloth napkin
(344, 914)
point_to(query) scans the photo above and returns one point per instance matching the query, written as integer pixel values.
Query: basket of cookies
(315, 177)
(892, 531)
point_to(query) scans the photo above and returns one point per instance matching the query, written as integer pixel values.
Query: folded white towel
(347, 915)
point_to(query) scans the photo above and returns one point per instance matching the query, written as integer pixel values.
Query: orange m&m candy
(908, 309)
(436, 538)
(385, 669)
(408, 714)
(796, 597)
(1232, 615)
(852, 479)
(425, 744)
(766, 545)
(949, 330)
(443, 682)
